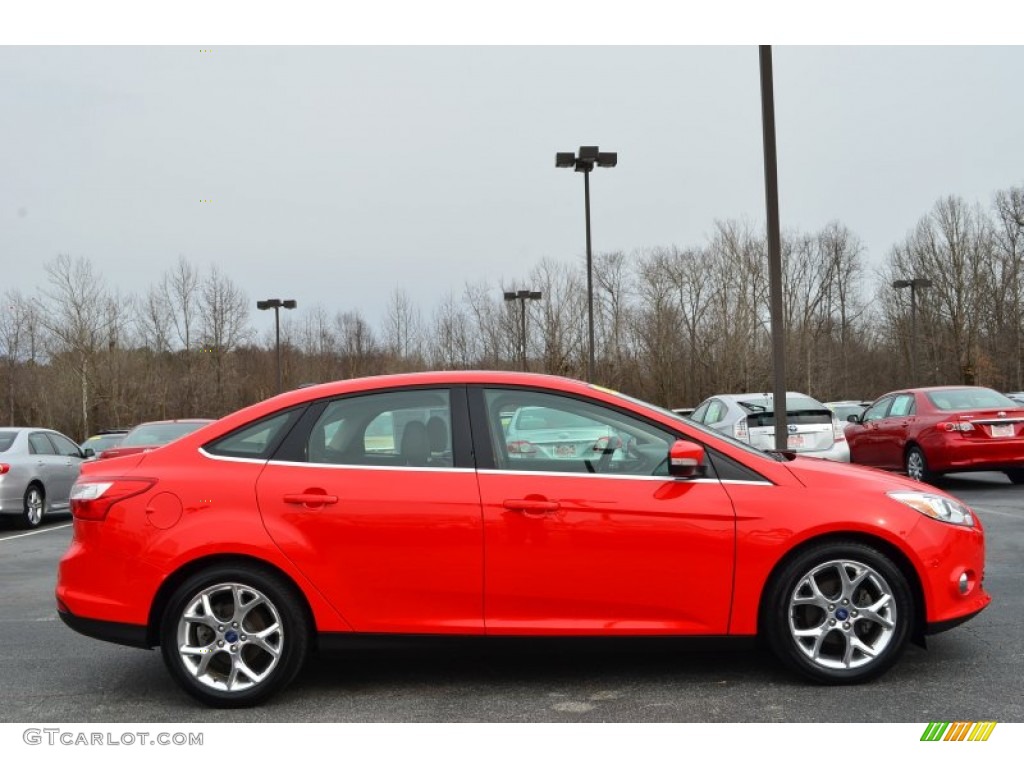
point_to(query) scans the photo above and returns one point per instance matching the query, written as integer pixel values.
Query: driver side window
(541, 432)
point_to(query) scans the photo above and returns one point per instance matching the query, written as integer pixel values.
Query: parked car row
(925, 431)
(39, 466)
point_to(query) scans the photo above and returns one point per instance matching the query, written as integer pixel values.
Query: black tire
(244, 659)
(916, 465)
(1016, 476)
(34, 506)
(820, 636)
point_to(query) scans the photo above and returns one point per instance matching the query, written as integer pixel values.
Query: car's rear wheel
(35, 507)
(1016, 476)
(232, 636)
(916, 466)
(839, 613)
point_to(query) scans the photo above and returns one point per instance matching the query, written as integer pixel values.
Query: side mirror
(88, 453)
(853, 418)
(686, 460)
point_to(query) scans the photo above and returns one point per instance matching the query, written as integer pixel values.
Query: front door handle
(310, 499)
(531, 506)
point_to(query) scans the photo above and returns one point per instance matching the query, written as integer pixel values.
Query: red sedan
(394, 505)
(928, 431)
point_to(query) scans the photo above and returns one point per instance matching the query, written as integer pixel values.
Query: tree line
(672, 325)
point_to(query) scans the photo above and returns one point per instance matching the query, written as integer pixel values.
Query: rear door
(374, 497)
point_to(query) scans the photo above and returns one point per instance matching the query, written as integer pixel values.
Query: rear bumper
(988, 455)
(111, 631)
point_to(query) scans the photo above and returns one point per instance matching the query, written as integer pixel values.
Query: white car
(813, 429)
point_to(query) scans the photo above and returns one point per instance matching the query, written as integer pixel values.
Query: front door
(593, 537)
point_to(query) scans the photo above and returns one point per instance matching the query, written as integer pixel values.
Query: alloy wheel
(230, 637)
(34, 506)
(842, 615)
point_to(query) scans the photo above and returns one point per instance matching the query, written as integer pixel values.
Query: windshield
(969, 398)
(760, 403)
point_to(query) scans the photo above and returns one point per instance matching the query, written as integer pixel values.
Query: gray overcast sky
(337, 174)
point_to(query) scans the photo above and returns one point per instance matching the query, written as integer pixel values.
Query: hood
(822, 473)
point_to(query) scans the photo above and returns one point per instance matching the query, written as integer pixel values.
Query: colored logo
(958, 731)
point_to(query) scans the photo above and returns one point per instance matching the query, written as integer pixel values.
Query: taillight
(92, 499)
(838, 433)
(520, 447)
(4, 469)
(956, 426)
(739, 429)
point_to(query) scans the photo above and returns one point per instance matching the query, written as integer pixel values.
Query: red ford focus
(395, 505)
(928, 431)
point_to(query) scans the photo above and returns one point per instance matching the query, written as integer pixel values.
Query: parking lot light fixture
(913, 284)
(522, 297)
(584, 162)
(276, 305)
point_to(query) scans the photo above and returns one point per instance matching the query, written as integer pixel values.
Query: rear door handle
(531, 506)
(310, 499)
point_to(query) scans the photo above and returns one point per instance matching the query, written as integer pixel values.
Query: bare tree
(223, 316)
(76, 321)
(403, 329)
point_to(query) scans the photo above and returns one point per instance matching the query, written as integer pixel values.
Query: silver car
(37, 469)
(547, 433)
(813, 429)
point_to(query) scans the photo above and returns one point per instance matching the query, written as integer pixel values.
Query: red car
(151, 434)
(394, 505)
(928, 431)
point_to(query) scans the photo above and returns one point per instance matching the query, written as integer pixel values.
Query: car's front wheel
(232, 636)
(839, 613)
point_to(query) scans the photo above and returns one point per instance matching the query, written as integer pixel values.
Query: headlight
(939, 507)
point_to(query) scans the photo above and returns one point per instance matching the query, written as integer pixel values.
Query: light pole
(276, 304)
(913, 284)
(522, 297)
(584, 163)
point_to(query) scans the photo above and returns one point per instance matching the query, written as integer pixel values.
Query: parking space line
(33, 533)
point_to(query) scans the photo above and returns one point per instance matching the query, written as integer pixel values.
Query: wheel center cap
(842, 614)
(231, 636)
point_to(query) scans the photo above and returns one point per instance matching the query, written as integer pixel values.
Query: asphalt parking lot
(49, 673)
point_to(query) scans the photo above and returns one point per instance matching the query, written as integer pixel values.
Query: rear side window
(7, 440)
(39, 445)
(903, 405)
(408, 428)
(257, 440)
